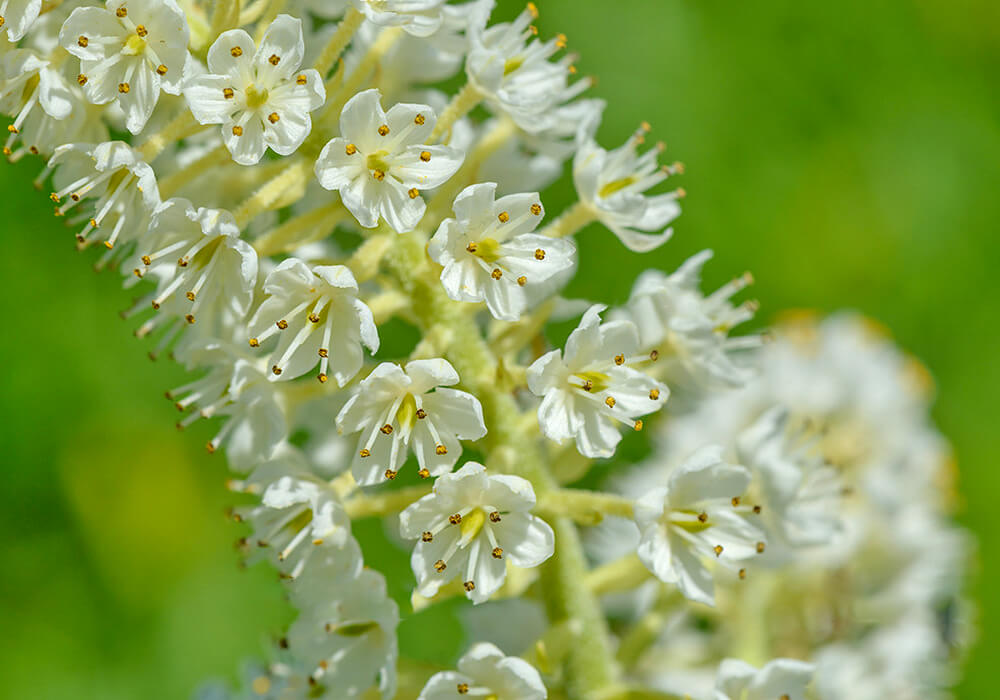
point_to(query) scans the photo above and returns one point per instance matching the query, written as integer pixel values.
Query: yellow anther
(619, 360)
(717, 549)
(277, 370)
(273, 117)
(425, 156)
(323, 352)
(141, 30)
(365, 453)
(539, 254)
(378, 174)
(301, 80)
(497, 553)
(350, 149)
(610, 401)
(497, 273)
(237, 130)
(121, 12)
(637, 425)
(536, 209)
(413, 192)
(522, 280)
(236, 52)
(469, 585)
(81, 79)
(386, 429)
(123, 88)
(455, 519)
(390, 474)
(654, 394)
(427, 537)
(440, 566)
(440, 450)
(282, 324)
(82, 41)
(254, 343)
(760, 547)
(274, 59)
(161, 69)
(323, 379)
(495, 517)
(504, 217)
(383, 130)
(419, 120)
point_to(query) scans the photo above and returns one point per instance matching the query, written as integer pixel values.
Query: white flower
(349, 637)
(398, 408)
(612, 184)
(485, 672)
(380, 162)
(128, 52)
(469, 526)
(802, 495)
(490, 251)
(690, 330)
(298, 515)
(513, 71)
(30, 87)
(16, 16)
(590, 387)
(116, 176)
(237, 389)
(698, 515)
(260, 96)
(201, 263)
(781, 679)
(417, 17)
(317, 317)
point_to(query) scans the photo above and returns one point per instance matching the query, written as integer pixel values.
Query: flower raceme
(294, 198)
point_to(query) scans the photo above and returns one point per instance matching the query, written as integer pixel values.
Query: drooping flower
(420, 18)
(590, 387)
(200, 262)
(698, 515)
(318, 317)
(781, 679)
(396, 409)
(117, 177)
(348, 636)
(260, 95)
(128, 52)
(34, 93)
(490, 251)
(469, 526)
(612, 185)
(16, 16)
(485, 672)
(690, 330)
(381, 162)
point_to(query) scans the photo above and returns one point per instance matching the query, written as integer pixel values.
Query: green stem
(181, 126)
(271, 192)
(461, 104)
(570, 221)
(585, 507)
(173, 182)
(384, 502)
(620, 575)
(339, 41)
(300, 230)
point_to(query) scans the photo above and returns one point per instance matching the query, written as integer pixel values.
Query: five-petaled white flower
(612, 185)
(417, 17)
(691, 330)
(511, 68)
(485, 672)
(397, 408)
(260, 96)
(490, 251)
(781, 679)
(199, 261)
(298, 513)
(590, 387)
(381, 162)
(469, 526)
(318, 317)
(16, 16)
(128, 52)
(698, 515)
(114, 174)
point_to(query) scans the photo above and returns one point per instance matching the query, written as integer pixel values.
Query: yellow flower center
(255, 98)
(616, 186)
(134, 45)
(472, 524)
(488, 249)
(376, 161)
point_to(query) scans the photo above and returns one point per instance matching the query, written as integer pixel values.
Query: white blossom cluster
(281, 179)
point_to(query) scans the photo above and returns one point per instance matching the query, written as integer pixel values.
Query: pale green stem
(364, 262)
(570, 221)
(339, 41)
(384, 502)
(271, 192)
(173, 182)
(274, 8)
(646, 630)
(386, 305)
(461, 104)
(225, 16)
(585, 507)
(181, 126)
(620, 575)
(300, 230)
(253, 11)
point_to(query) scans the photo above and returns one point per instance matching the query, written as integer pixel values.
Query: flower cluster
(285, 184)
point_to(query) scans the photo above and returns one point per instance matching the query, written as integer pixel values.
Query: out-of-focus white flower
(114, 174)
(16, 16)
(297, 515)
(689, 330)
(490, 251)
(396, 408)
(469, 526)
(485, 672)
(781, 679)
(349, 637)
(417, 17)
(259, 94)
(612, 185)
(128, 52)
(381, 161)
(590, 387)
(317, 317)
(697, 516)
(802, 495)
(200, 261)
(512, 69)
(31, 88)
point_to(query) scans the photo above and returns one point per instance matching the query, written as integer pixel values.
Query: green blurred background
(846, 153)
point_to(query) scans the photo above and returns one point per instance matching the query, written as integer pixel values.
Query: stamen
(539, 254)
(425, 156)
(236, 52)
(383, 130)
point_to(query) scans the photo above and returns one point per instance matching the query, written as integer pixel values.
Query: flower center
(406, 416)
(594, 382)
(488, 249)
(616, 186)
(376, 161)
(689, 520)
(353, 629)
(472, 524)
(255, 98)
(134, 45)
(511, 65)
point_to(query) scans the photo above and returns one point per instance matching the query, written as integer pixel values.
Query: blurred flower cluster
(279, 180)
